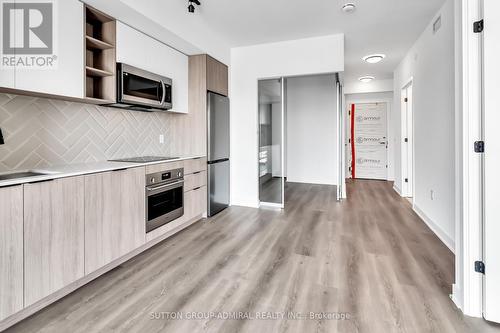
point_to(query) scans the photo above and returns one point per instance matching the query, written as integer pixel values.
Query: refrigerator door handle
(218, 161)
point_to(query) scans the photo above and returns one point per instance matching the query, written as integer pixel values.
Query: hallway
(369, 258)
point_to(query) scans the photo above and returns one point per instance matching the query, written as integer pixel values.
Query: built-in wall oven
(164, 197)
(138, 89)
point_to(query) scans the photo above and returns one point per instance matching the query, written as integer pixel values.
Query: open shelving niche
(100, 56)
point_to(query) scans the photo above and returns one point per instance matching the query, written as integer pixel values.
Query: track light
(191, 7)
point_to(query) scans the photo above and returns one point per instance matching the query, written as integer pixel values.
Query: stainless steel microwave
(138, 89)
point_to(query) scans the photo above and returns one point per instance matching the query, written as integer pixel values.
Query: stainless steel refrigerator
(218, 153)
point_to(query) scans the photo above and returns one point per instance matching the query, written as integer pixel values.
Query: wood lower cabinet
(114, 215)
(53, 236)
(195, 203)
(53, 233)
(195, 165)
(195, 180)
(11, 250)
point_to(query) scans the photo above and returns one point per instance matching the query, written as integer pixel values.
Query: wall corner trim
(447, 240)
(397, 190)
(456, 296)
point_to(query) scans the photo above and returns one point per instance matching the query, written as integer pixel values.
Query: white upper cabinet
(7, 73)
(139, 50)
(67, 76)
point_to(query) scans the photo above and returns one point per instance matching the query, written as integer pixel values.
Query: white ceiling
(377, 26)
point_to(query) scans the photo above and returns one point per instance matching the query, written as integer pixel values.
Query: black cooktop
(144, 159)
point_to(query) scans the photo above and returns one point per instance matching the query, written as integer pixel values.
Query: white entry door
(491, 229)
(407, 144)
(369, 141)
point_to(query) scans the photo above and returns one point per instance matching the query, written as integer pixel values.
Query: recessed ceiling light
(348, 7)
(366, 79)
(374, 58)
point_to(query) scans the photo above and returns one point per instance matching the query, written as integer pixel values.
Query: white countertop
(70, 170)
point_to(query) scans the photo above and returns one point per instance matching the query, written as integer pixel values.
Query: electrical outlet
(162, 138)
(432, 194)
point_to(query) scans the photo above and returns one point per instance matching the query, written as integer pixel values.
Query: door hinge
(479, 26)
(479, 267)
(406, 139)
(479, 146)
(406, 99)
(406, 180)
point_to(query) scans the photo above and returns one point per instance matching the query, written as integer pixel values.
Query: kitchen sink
(24, 174)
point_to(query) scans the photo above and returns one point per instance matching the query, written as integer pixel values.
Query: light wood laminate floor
(370, 257)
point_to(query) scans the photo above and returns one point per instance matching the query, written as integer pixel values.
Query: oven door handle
(160, 187)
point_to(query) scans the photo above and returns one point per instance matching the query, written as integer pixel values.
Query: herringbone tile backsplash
(41, 132)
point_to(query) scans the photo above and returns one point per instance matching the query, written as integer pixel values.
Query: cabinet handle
(41, 181)
(197, 188)
(116, 170)
(12, 185)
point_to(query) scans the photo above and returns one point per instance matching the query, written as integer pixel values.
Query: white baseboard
(455, 296)
(305, 181)
(447, 240)
(250, 204)
(398, 191)
(272, 206)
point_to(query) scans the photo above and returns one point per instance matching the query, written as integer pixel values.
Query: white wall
(431, 64)
(248, 64)
(375, 86)
(311, 125)
(386, 97)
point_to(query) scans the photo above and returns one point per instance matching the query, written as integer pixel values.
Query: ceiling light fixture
(366, 79)
(374, 58)
(349, 7)
(191, 7)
